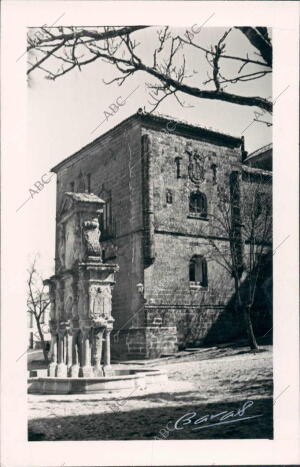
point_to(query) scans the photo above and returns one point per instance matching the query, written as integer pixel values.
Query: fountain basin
(122, 379)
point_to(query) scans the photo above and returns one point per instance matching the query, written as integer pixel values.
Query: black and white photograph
(148, 210)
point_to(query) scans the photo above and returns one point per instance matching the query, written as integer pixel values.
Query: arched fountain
(81, 309)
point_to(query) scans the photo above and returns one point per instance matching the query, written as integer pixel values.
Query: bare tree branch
(79, 47)
(259, 38)
(228, 57)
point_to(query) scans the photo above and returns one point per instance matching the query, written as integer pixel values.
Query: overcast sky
(62, 115)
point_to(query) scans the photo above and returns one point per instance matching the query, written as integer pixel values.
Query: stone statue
(69, 307)
(61, 245)
(91, 238)
(100, 305)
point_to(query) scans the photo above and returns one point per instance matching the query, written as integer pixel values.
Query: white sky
(62, 115)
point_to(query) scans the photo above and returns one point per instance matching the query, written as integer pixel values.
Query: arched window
(107, 221)
(178, 166)
(214, 171)
(80, 183)
(198, 204)
(169, 197)
(107, 217)
(198, 271)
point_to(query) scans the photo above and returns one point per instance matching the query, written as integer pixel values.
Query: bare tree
(37, 302)
(57, 51)
(243, 218)
(191, 324)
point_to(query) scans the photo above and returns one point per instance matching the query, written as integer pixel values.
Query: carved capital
(99, 323)
(64, 326)
(53, 326)
(85, 332)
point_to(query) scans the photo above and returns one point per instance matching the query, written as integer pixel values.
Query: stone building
(160, 181)
(261, 158)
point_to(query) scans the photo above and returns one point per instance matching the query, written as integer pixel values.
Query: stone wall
(113, 164)
(200, 314)
(153, 241)
(165, 149)
(144, 342)
(197, 326)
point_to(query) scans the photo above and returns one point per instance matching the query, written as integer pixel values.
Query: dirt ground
(201, 385)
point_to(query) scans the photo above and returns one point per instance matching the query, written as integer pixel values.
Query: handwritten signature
(221, 418)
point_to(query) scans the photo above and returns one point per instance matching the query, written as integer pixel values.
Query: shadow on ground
(145, 424)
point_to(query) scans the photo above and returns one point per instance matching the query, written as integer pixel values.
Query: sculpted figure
(69, 307)
(100, 305)
(61, 245)
(91, 238)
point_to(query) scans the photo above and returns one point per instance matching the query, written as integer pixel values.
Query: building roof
(261, 150)
(159, 120)
(261, 158)
(163, 119)
(85, 197)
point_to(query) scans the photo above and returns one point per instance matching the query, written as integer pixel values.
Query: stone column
(69, 351)
(87, 348)
(97, 350)
(75, 297)
(64, 358)
(86, 370)
(52, 295)
(53, 363)
(107, 366)
(75, 356)
(79, 341)
(61, 366)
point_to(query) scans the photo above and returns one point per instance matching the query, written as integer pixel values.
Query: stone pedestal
(80, 291)
(53, 364)
(108, 370)
(74, 373)
(52, 369)
(98, 371)
(86, 372)
(61, 370)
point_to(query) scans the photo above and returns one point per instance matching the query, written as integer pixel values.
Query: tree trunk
(246, 312)
(249, 328)
(45, 353)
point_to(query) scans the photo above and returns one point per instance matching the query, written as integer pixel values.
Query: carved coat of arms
(91, 238)
(196, 166)
(100, 304)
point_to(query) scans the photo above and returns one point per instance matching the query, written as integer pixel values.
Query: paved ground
(202, 384)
